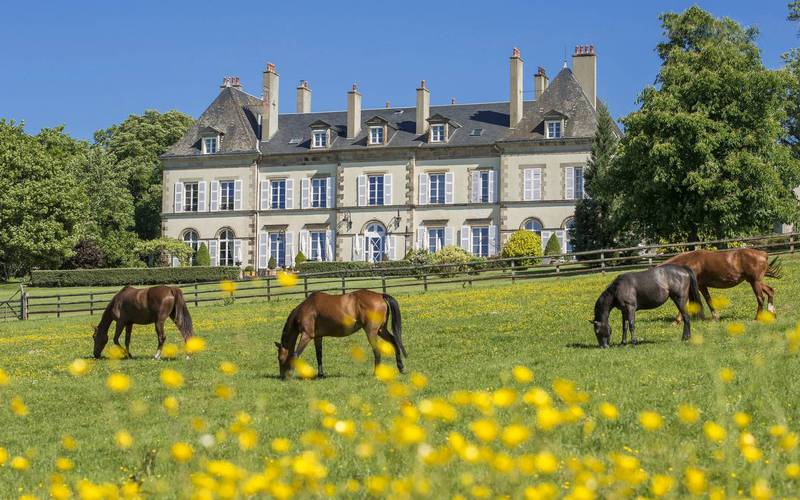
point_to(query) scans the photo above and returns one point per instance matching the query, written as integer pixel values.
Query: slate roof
(234, 113)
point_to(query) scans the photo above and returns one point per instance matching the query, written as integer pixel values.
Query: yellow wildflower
(181, 452)
(228, 368)
(4, 378)
(765, 317)
(547, 418)
(169, 351)
(385, 348)
(170, 404)
(504, 397)
(546, 462)
(223, 391)
(688, 414)
(248, 439)
(608, 411)
(789, 441)
(287, 279)
(778, 430)
(661, 484)
(714, 432)
(650, 420)
(171, 378)
(18, 407)
(741, 419)
(418, 380)
(751, 454)
(227, 286)
(385, 373)
(303, 369)
(20, 463)
(515, 434)
(118, 382)
(68, 442)
(346, 428)
(726, 375)
(735, 329)
(522, 374)
(695, 480)
(281, 445)
(64, 464)
(484, 429)
(761, 490)
(195, 344)
(123, 439)
(78, 367)
(792, 470)
(537, 397)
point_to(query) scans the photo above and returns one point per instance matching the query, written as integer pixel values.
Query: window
(574, 189)
(480, 241)
(375, 183)
(476, 132)
(436, 189)
(278, 187)
(190, 193)
(553, 129)
(277, 248)
(209, 145)
(579, 192)
(376, 135)
(226, 244)
(534, 225)
(484, 193)
(295, 140)
(569, 228)
(320, 139)
(375, 238)
(319, 245)
(192, 239)
(319, 192)
(435, 239)
(226, 195)
(437, 133)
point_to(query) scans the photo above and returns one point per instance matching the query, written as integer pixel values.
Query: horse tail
(694, 290)
(180, 314)
(775, 269)
(397, 322)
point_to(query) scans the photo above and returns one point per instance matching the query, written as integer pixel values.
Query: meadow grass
(462, 340)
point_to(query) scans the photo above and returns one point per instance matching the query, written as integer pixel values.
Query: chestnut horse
(143, 306)
(728, 268)
(323, 315)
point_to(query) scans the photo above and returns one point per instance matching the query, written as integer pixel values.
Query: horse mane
(602, 306)
(286, 335)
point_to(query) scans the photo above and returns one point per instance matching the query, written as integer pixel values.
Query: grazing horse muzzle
(100, 341)
(602, 332)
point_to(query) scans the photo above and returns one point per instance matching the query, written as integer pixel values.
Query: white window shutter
(329, 192)
(421, 237)
(263, 250)
(290, 254)
(536, 183)
(237, 251)
(201, 196)
(362, 190)
(304, 186)
(214, 205)
(475, 191)
(491, 186)
(448, 187)
(289, 193)
(176, 262)
(423, 189)
(387, 189)
(212, 250)
(265, 194)
(448, 236)
(237, 194)
(569, 183)
(562, 240)
(389, 250)
(329, 243)
(527, 183)
(466, 236)
(356, 247)
(179, 197)
(492, 240)
(545, 238)
(304, 246)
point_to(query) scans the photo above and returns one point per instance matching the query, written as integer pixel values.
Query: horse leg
(624, 326)
(756, 285)
(318, 349)
(372, 338)
(770, 296)
(631, 320)
(128, 329)
(680, 303)
(161, 337)
(388, 337)
(120, 325)
(707, 296)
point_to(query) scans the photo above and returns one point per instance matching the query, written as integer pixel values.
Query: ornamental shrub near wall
(132, 276)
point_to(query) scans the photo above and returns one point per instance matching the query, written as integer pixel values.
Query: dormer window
(553, 128)
(319, 139)
(437, 132)
(210, 145)
(376, 134)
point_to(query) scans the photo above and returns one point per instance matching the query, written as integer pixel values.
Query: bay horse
(728, 268)
(143, 306)
(649, 289)
(323, 315)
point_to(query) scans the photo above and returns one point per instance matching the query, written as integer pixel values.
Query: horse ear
(278, 345)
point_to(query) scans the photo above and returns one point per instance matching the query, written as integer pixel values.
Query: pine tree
(553, 248)
(203, 257)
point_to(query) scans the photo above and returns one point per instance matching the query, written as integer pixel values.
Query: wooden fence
(29, 303)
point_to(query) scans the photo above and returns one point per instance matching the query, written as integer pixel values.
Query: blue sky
(88, 65)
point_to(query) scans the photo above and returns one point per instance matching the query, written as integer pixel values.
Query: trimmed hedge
(359, 269)
(132, 276)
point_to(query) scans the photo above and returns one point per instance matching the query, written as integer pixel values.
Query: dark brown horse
(322, 315)
(135, 306)
(728, 268)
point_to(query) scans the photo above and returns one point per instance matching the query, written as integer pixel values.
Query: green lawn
(461, 339)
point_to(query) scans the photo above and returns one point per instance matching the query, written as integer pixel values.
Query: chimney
(423, 108)
(353, 112)
(584, 67)
(303, 97)
(515, 112)
(540, 82)
(231, 81)
(269, 104)
(388, 104)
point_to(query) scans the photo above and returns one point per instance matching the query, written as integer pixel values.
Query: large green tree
(703, 156)
(42, 204)
(136, 143)
(792, 59)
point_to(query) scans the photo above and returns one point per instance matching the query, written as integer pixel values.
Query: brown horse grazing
(143, 306)
(728, 268)
(322, 315)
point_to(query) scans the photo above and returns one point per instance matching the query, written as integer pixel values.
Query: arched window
(226, 242)
(375, 242)
(191, 238)
(533, 224)
(569, 227)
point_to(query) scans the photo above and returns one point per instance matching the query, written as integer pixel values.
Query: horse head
(285, 360)
(602, 330)
(100, 341)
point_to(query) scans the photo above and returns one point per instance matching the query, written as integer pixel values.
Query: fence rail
(26, 304)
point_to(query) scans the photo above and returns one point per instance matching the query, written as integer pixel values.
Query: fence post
(512, 272)
(791, 244)
(603, 262)
(650, 262)
(23, 303)
(196, 302)
(58, 306)
(425, 282)
(383, 283)
(344, 285)
(269, 288)
(558, 267)
(305, 285)
(91, 303)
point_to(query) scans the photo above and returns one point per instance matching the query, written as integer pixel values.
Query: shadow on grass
(616, 345)
(290, 379)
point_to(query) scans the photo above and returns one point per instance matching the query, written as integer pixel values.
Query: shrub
(272, 264)
(523, 243)
(358, 268)
(248, 269)
(157, 252)
(553, 248)
(450, 255)
(132, 276)
(87, 256)
(417, 258)
(299, 259)
(203, 257)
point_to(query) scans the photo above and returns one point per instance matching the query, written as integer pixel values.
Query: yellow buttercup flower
(726, 375)
(123, 439)
(181, 452)
(281, 445)
(688, 414)
(418, 380)
(751, 454)
(546, 462)
(3, 455)
(117, 352)
(68, 442)
(484, 429)
(765, 317)
(118, 382)
(4, 378)
(761, 490)
(171, 378)
(720, 302)
(287, 279)
(18, 407)
(515, 434)
(695, 480)
(195, 344)
(661, 484)
(714, 432)
(736, 329)
(227, 286)
(537, 397)
(228, 368)
(792, 470)
(608, 411)
(504, 397)
(78, 367)
(777, 430)
(522, 374)
(169, 351)
(789, 441)
(170, 404)
(64, 464)
(60, 491)
(741, 419)
(693, 307)
(650, 420)
(20, 463)
(547, 418)
(385, 348)
(303, 369)
(248, 439)
(385, 373)
(346, 428)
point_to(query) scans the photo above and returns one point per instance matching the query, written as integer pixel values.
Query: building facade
(371, 184)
